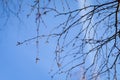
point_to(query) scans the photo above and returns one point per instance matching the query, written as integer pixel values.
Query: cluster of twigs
(89, 40)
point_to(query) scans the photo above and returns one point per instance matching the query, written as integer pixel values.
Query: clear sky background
(18, 62)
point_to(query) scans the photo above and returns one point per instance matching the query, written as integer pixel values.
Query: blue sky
(18, 62)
